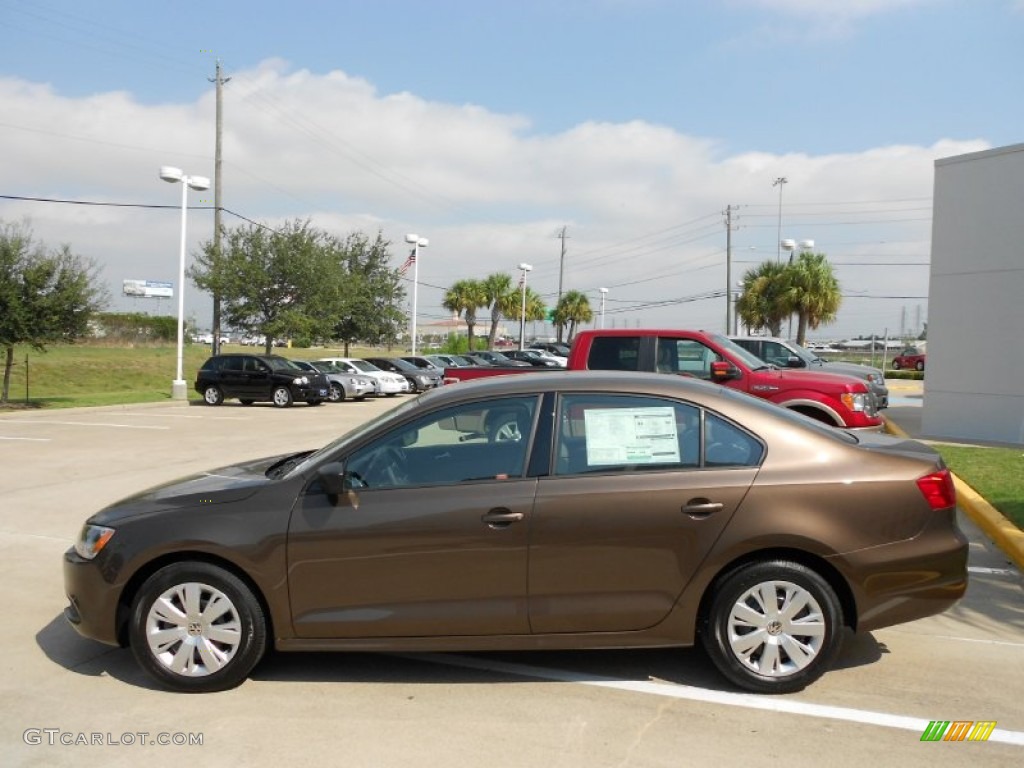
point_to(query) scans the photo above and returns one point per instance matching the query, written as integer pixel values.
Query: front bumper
(92, 601)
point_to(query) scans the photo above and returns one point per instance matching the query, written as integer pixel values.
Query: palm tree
(512, 306)
(763, 303)
(464, 298)
(813, 292)
(573, 308)
(497, 288)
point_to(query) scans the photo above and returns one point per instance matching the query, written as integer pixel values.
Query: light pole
(522, 311)
(174, 175)
(604, 292)
(780, 182)
(791, 245)
(417, 243)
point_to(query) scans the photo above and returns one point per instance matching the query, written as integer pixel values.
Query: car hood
(218, 486)
(851, 369)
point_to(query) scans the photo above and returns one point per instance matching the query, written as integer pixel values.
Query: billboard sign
(148, 289)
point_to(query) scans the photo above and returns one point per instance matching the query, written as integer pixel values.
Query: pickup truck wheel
(773, 626)
(895, 365)
(920, 365)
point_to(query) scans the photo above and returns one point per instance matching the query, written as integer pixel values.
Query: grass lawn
(74, 375)
(995, 473)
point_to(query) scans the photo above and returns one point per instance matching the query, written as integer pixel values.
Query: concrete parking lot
(636, 708)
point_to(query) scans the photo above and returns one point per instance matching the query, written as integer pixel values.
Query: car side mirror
(795, 362)
(338, 484)
(722, 371)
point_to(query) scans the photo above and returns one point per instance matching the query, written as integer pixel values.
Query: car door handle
(501, 518)
(702, 507)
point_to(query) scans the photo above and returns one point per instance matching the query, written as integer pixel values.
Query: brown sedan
(549, 511)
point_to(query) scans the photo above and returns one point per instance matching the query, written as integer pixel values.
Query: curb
(1007, 536)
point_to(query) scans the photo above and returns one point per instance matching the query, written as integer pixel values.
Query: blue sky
(489, 126)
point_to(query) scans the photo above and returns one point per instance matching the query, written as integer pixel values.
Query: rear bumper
(908, 580)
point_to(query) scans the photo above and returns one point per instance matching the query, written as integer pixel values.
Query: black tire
(919, 365)
(895, 365)
(212, 395)
(282, 397)
(783, 653)
(336, 394)
(233, 637)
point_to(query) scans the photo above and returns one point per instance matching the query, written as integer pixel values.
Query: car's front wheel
(336, 393)
(197, 628)
(282, 397)
(212, 395)
(895, 365)
(773, 626)
(919, 365)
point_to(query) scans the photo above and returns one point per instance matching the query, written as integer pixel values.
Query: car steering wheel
(388, 464)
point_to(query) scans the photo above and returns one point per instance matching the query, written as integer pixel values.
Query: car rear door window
(614, 353)
(608, 433)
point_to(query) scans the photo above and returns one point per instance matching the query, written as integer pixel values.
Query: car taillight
(938, 490)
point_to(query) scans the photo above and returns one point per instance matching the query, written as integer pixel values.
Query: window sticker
(631, 436)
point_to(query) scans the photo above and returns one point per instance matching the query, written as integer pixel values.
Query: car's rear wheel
(773, 626)
(197, 628)
(336, 393)
(212, 395)
(282, 397)
(895, 365)
(919, 365)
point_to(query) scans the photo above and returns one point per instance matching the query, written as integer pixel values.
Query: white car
(386, 383)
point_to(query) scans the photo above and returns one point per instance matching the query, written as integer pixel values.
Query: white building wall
(974, 386)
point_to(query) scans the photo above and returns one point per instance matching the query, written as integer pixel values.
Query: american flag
(408, 262)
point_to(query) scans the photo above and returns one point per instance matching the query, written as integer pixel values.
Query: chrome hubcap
(776, 628)
(193, 629)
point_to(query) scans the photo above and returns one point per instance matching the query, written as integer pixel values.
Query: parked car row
(252, 378)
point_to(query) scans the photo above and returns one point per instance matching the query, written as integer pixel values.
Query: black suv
(259, 377)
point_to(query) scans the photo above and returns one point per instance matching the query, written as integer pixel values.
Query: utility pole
(728, 269)
(219, 81)
(561, 275)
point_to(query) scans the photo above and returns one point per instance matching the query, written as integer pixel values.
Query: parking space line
(82, 424)
(991, 571)
(29, 439)
(724, 698)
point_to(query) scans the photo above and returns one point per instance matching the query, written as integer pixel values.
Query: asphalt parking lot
(636, 708)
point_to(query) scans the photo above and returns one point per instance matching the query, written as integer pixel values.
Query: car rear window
(614, 353)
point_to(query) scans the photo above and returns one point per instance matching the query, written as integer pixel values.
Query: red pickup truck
(839, 400)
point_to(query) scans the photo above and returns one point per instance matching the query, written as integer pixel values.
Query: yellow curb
(1007, 536)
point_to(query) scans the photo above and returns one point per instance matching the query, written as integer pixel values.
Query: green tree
(572, 309)
(463, 299)
(498, 289)
(813, 292)
(763, 303)
(267, 279)
(535, 309)
(362, 301)
(45, 298)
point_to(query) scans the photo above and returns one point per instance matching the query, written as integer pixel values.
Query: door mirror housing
(722, 371)
(795, 362)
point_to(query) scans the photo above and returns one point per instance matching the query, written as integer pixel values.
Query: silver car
(788, 354)
(344, 385)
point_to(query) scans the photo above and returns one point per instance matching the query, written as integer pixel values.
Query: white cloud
(486, 189)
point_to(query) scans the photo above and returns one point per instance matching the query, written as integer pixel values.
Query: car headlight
(92, 539)
(302, 381)
(857, 402)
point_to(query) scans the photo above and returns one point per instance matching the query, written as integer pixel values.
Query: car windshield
(404, 365)
(749, 359)
(281, 364)
(364, 366)
(326, 366)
